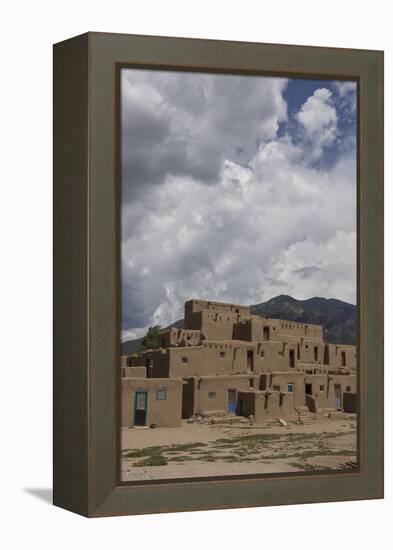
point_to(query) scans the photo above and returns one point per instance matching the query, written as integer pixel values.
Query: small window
(222, 353)
(276, 388)
(348, 388)
(262, 353)
(321, 388)
(184, 359)
(212, 395)
(251, 382)
(161, 394)
(291, 388)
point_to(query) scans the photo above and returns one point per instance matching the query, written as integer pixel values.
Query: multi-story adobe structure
(227, 361)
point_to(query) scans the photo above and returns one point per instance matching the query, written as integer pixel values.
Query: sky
(234, 188)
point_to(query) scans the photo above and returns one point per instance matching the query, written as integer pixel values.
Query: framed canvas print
(218, 260)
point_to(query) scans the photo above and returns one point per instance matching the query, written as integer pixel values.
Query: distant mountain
(337, 318)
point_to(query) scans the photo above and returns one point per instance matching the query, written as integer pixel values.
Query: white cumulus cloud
(260, 221)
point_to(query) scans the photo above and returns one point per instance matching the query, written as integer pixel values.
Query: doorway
(250, 360)
(309, 389)
(140, 408)
(337, 396)
(232, 401)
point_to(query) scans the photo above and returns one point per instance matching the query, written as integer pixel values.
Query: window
(291, 388)
(184, 359)
(211, 395)
(276, 388)
(315, 353)
(222, 353)
(348, 388)
(292, 358)
(161, 394)
(262, 353)
(343, 359)
(321, 388)
(251, 382)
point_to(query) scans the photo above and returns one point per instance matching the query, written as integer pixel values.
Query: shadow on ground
(43, 494)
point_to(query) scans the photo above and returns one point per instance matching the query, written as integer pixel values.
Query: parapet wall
(194, 306)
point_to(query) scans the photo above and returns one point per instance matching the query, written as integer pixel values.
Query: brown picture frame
(86, 273)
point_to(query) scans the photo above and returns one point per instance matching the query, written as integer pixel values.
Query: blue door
(232, 401)
(337, 396)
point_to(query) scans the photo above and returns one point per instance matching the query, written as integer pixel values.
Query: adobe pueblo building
(227, 361)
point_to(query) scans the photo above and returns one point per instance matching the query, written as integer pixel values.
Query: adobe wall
(134, 372)
(311, 351)
(179, 337)
(320, 385)
(164, 413)
(292, 329)
(254, 329)
(335, 358)
(194, 306)
(212, 391)
(279, 383)
(265, 405)
(230, 357)
(347, 383)
(211, 358)
(156, 363)
(214, 325)
(276, 356)
(313, 368)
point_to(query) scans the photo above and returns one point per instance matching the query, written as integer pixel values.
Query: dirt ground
(203, 450)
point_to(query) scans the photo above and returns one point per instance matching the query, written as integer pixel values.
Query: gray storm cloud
(219, 203)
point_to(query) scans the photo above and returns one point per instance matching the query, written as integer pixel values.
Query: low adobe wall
(267, 405)
(134, 372)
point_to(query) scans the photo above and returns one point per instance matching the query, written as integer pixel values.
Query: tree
(151, 339)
